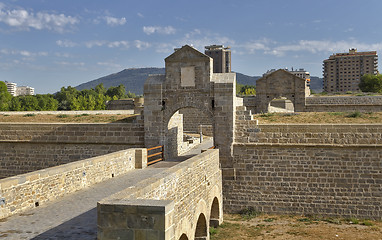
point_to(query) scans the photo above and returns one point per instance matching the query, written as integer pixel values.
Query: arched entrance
(201, 228)
(190, 82)
(215, 213)
(281, 104)
(187, 129)
(278, 84)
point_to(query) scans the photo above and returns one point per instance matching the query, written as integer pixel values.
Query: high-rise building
(221, 56)
(343, 71)
(12, 88)
(24, 90)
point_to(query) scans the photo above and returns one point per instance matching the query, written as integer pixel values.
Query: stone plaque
(187, 77)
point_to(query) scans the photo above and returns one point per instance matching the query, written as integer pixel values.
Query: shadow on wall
(30, 147)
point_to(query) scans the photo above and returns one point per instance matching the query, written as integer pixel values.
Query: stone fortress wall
(316, 169)
(180, 203)
(330, 103)
(27, 147)
(33, 189)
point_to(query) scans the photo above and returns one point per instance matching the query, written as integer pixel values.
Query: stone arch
(280, 104)
(215, 213)
(183, 237)
(190, 82)
(174, 130)
(278, 84)
(201, 230)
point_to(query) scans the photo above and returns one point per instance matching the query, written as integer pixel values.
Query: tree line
(68, 98)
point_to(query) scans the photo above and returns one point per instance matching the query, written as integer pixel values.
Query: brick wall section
(345, 100)
(193, 118)
(339, 134)
(329, 170)
(30, 147)
(325, 181)
(173, 200)
(21, 192)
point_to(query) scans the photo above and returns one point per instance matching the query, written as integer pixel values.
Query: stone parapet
(34, 189)
(167, 205)
(30, 147)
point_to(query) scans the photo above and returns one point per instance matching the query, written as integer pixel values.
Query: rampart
(33, 189)
(179, 203)
(315, 169)
(27, 147)
(344, 104)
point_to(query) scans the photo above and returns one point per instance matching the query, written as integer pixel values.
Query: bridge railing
(157, 156)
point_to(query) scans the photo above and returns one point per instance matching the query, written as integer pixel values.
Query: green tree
(67, 98)
(371, 83)
(118, 92)
(15, 104)
(5, 97)
(29, 103)
(245, 90)
(100, 89)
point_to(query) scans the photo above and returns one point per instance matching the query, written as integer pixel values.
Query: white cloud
(110, 65)
(312, 46)
(160, 30)
(141, 45)
(117, 44)
(140, 15)
(22, 19)
(66, 43)
(112, 21)
(76, 64)
(110, 44)
(96, 43)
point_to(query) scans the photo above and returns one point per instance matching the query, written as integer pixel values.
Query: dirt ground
(277, 227)
(63, 118)
(303, 117)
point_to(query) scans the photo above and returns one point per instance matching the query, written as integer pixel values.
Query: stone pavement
(75, 215)
(71, 217)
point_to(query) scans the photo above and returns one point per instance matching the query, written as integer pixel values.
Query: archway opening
(189, 131)
(215, 213)
(201, 228)
(280, 104)
(183, 237)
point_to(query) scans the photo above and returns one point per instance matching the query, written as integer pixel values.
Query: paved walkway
(75, 216)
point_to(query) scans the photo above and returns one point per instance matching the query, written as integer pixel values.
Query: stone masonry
(180, 203)
(30, 147)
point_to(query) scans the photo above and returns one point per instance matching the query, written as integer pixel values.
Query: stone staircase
(242, 114)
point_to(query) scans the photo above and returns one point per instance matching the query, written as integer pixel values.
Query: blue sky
(48, 44)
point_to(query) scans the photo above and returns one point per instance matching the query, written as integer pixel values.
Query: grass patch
(213, 231)
(63, 116)
(367, 223)
(355, 114)
(29, 115)
(249, 213)
(269, 220)
(335, 113)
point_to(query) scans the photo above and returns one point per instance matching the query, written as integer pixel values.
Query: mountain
(134, 78)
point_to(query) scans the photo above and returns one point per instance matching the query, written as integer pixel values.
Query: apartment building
(11, 88)
(343, 71)
(221, 56)
(24, 90)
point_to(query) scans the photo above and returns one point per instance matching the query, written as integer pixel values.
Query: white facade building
(24, 90)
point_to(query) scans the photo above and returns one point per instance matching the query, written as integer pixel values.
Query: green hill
(134, 78)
